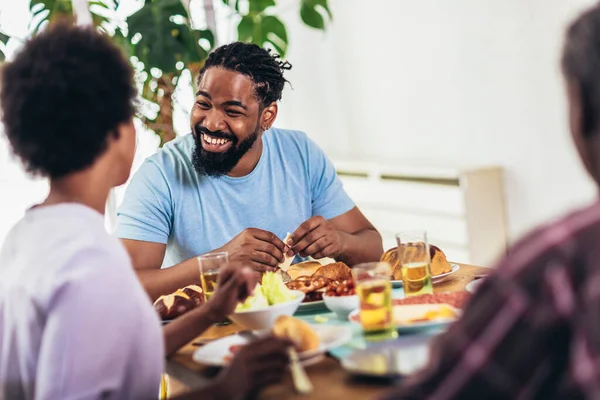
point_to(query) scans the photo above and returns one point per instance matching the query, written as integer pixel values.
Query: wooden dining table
(329, 379)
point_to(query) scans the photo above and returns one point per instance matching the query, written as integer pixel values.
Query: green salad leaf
(269, 292)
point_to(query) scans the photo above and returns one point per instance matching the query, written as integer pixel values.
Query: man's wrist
(343, 236)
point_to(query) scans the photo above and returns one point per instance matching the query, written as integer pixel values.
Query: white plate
(473, 286)
(434, 279)
(331, 336)
(442, 277)
(415, 309)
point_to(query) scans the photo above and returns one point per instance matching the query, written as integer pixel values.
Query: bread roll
(306, 268)
(337, 271)
(173, 305)
(439, 263)
(297, 331)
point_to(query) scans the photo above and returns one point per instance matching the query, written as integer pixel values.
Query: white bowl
(264, 318)
(341, 305)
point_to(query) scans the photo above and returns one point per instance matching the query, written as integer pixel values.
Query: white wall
(461, 81)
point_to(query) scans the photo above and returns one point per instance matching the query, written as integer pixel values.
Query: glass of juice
(374, 291)
(415, 259)
(210, 264)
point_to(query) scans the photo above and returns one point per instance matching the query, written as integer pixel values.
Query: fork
(302, 383)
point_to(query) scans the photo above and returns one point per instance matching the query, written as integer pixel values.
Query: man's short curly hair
(62, 96)
(265, 69)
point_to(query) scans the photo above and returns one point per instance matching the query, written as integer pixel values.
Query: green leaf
(309, 12)
(275, 33)
(163, 43)
(202, 51)
(45, 3)
(99, 4)
(311, 16)
(245, 28)
(271, 23)
(208, 35)
(122, 42)
(98, 20)
(3, 39)
(323, 4)
(258, 6)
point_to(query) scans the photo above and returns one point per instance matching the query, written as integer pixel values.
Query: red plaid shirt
(533, 328)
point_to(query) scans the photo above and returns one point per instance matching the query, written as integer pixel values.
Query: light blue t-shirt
(167, 201)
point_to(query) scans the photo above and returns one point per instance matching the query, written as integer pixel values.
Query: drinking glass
(415, 261)
(374, 291)
(210, 264)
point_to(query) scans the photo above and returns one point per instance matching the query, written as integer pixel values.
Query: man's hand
(255, 366)
(316, 237)
(256, 248)
(234, 285)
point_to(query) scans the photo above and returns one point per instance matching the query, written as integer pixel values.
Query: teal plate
(313, 306)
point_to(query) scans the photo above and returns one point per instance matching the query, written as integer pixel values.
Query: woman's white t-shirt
(75, 322)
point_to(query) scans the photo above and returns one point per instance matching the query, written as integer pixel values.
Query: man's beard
(218, 164)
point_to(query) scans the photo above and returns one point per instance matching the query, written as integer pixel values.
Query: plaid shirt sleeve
(508, 342)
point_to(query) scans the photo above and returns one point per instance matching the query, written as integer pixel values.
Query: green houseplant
(163, 42)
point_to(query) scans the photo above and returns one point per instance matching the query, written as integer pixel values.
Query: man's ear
(268, 115)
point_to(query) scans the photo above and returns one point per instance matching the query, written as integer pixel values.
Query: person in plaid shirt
(533, 328)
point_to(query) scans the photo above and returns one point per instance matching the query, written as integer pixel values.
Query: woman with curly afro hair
(74, 320)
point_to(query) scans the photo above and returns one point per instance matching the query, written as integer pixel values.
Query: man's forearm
(158, 282)
(362, 246)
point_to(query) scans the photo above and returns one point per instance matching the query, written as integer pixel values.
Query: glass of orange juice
(415, 260)
(374, 291)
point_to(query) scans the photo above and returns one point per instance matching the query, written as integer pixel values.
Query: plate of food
(310, 341)
(417, 317)
(440, 268)
(392, 359)
(314, 280)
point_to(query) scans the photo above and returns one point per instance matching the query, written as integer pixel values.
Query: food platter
(410, 318)
(217, 353)
(315, 279)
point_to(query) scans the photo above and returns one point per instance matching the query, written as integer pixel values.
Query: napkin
(288, 260)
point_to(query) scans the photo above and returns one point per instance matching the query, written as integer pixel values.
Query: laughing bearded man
(236, 184)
